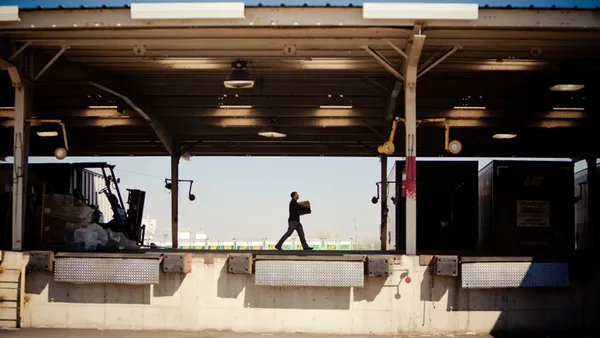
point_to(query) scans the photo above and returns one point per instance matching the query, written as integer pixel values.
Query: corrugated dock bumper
(93, 268)
(324, 271)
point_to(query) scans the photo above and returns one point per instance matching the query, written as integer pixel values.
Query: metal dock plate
(326, 273)
(497, 275)
(83, 270)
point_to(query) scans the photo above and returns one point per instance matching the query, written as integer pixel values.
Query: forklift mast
(124, 220)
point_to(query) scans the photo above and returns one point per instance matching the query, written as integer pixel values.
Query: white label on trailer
(533, 213)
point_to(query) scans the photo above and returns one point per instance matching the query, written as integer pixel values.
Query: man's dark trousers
(293, 225)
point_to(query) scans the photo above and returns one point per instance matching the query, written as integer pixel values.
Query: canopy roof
(305, 60)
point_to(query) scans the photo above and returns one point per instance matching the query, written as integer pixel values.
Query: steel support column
(592, 186)
(415, 46)
(175, 199)
(23, 102)
(384, 203)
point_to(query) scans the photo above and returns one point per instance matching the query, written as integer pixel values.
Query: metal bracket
(239, 264)
(12, 72)
(370, 82)
(41, 261)
(159, 129)
(444, 56)
(384, 62)
(51, 62)
(366, 123)
(378, 266)
(446, 266)
(20, 50)
(177, 263)
(396, 48)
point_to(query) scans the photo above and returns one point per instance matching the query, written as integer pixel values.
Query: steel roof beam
(304, 17)
(385, 63)
(142, 138)
(426, 68)
(291, 102)
(160, 130)
(519, 113)
(351, 149)
(396, 48)
(62, 50)
(20, 50)
(272, 90)
(337, 124)
(234, 37)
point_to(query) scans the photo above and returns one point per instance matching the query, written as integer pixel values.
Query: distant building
(150, 234)
(200, 241)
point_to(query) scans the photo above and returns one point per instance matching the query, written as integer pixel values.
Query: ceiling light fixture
(235, 107)
(335, 107)
(103, 107)
(569, 108)
(239, 78)
(469, 108)
(271, 130)
(47, 133)
(566, 87)
(504, 136)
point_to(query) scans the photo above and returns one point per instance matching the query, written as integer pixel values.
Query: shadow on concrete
(168, 284)
(267, 297)
(371, 289)
(230, 285)
(518, 310)
(98, 293)
(36, 285)
(86, 293)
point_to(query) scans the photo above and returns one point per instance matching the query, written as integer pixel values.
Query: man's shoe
(278, 248)
(309, 248)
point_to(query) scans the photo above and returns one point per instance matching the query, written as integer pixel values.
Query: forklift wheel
(60, 153)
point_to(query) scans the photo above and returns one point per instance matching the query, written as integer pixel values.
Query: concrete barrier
(210, 298)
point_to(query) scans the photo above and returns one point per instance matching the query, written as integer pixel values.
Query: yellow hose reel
(387, 148)
(454, 147)
(60, 153)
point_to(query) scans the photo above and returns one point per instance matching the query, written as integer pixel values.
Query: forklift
(86, 182)
(127, 221)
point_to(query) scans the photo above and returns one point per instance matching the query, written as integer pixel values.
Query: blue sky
(247, 197)
(120, 3)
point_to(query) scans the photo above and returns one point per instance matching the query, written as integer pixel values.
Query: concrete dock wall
(210, 298)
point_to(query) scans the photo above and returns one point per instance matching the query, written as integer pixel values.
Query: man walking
(294, 222)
